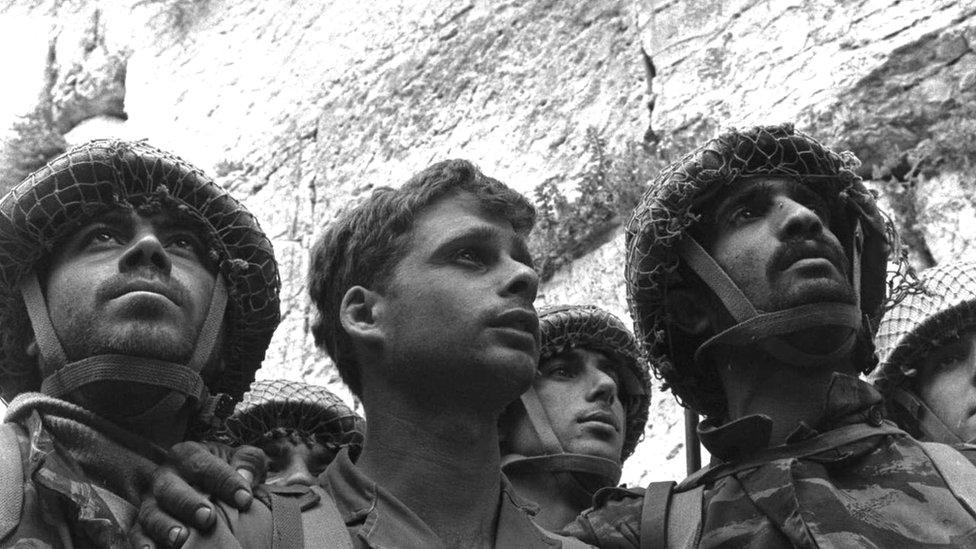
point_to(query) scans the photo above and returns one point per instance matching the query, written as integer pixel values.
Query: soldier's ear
(686, 310)
(360, 312)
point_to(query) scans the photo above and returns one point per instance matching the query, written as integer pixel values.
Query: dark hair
(364, 244)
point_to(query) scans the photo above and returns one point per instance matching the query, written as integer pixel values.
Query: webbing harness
(183, 380)
(597, 472)
(753, 328)
(932, 428)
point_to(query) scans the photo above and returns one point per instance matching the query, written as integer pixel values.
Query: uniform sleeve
(613, 522)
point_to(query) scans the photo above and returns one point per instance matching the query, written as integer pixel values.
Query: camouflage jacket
(882, 491)
(80, 486)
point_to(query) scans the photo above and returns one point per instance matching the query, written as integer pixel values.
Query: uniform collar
(847, 400)
(384, 522)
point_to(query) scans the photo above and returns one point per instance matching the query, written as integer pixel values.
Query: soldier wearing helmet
(570, 432)
(927, 350)
(755, 270)
(299, 426)
(137, 299)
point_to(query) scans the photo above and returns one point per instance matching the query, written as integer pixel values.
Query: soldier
(755, 269)
(927, 346)
(424, 298)
(299, 426)
(584, 414)
(137, 299)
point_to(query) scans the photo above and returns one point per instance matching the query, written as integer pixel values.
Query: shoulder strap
(11, 479)
(654, 515)
(670, 519)
(323, 524)
(957, 471)
(318, 525)
(286, 523)
(684, 518)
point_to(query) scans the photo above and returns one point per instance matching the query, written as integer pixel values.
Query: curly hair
(363, 245)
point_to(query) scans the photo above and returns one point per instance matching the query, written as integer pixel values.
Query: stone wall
(299, 107)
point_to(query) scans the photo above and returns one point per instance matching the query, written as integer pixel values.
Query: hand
(174, 505)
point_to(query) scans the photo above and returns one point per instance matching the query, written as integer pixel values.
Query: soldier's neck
(787, 394)
(443, 464)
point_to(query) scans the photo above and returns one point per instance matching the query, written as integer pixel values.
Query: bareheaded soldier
(570, 432)
(137, 299)
(299, 426)
(927, 347)
(424, 298)
(755, 269)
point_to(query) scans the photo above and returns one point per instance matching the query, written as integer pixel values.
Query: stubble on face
(441, 302)
(100, 307)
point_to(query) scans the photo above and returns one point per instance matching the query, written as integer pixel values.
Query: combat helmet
(943, 306)
(104, 175)
(565, 327)
(658, 241)
(277, 407)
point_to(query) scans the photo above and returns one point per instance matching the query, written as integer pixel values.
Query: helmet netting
(565, 327)
(669, 208)
(276, 408)
(942, 304)
(103, 175)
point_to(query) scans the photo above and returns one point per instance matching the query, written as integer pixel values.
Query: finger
(177, 499)
(251, 461)
(159, 527)
(138, 539)
(214, 476)
(247, 475)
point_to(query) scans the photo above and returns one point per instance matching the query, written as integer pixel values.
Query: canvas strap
(62, 377)
(11, 479)
(958, 472)
(670, 519)
(765, 330)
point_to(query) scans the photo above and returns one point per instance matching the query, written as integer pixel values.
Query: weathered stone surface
(299, 107)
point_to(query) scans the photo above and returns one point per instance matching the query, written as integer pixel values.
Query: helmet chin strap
(766, 330)
(578, 471)
(62, 376)
(932, 428)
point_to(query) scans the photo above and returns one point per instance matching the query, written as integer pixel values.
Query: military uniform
(377, 520)
(81, 476)
(880, 491)
(76, 478)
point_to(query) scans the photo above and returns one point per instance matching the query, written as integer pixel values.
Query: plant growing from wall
(609, 186)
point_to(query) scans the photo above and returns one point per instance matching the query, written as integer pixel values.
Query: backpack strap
(286, 523)
(11, 479)
(685, 518)
(957, 471)
(670, 519)
(654, 515)
(323, 524)
(306, 516)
